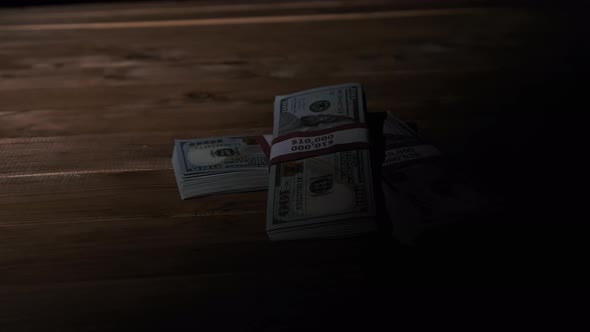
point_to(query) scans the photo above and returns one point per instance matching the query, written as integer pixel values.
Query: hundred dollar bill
(217, 165)
(419, 192)
(320, 182)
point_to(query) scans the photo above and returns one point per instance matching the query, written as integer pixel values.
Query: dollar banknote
(320, 182)
(420, 193)
(207, 166)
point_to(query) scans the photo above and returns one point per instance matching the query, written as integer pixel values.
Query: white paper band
(408, 153)
(310, 144)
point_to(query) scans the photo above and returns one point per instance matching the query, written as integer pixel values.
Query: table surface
(93, 234)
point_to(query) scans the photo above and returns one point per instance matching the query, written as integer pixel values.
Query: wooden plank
(54, 156)
(100, 227)
(216, 301)
(154, 247)
(297, 17)
(220, 108)
(406, 45)
(109, 196)
(163, 10)
(73, 83)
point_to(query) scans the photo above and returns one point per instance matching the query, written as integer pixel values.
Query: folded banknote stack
(320, 181)
(208, 166)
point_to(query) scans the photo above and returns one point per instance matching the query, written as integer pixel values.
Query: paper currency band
(265, 142)
(300, 145)
(409, 153)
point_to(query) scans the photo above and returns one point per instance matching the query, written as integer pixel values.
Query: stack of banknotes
(208, 166)
(319, 173)
(420, 193)
(320, 181)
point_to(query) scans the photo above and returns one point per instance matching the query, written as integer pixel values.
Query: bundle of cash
(208, 166)
(419, 192)
(320, 181)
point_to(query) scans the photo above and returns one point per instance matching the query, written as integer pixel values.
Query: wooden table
(93, 234)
